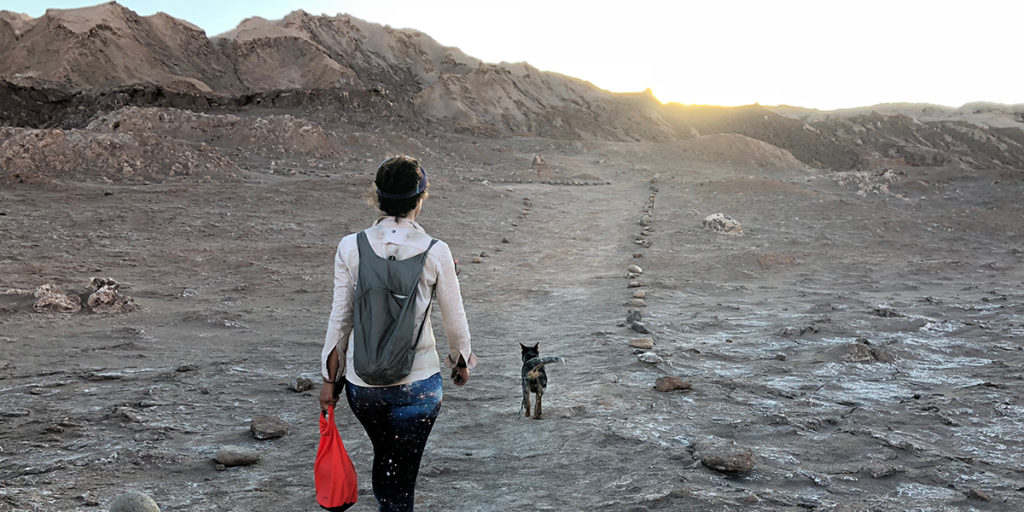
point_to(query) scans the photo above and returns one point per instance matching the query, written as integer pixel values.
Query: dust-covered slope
(107, 46)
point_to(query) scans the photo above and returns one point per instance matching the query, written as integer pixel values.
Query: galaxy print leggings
(398, 420)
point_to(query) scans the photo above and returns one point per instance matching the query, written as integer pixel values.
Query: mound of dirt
(82, 155)
(269, 136)
(742, 152)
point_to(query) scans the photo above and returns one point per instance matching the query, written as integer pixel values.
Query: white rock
(650, 358)
(721, 223)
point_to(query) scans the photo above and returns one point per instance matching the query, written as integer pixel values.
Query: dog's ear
(522, 346)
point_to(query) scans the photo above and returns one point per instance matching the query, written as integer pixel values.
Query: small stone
(133, 501)
(724, 457)
(300, 384)
(231, 455)
(634, 315)
(505, 240)
(780, 357)
(268, 427)
(671, 383)
(650, 358)
(638, 255)
(978, 494)
(639, 327)
(477, 259)
(635, 284)
(639, 294)
(644, 343)
(636, 303)
(221, 467)
(483, 254)
(635, 269)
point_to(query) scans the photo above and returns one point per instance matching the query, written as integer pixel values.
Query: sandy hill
(107, 45)
(66, 66)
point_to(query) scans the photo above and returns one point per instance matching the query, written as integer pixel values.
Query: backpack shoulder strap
(430, 302)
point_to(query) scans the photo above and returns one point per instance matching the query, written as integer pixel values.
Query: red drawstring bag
(336, 488)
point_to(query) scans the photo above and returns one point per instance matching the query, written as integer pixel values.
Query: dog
(535, 380)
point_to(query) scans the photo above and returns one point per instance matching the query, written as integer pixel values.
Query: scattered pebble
(638, 255)
(231, 455)
(268, 427)
(650, 358)
(477, 259)
(636, 303)
(635, 269)
(133, 501)
(505, 240)
(635, 284)
(780, 357)
(644, 343)
(639, 294)
(671, 383)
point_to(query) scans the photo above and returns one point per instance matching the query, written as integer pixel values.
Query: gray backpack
(384, 314)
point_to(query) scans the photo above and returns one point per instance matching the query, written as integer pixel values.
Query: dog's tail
(530, 364)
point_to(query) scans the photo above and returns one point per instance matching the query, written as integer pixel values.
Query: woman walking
(396, 396)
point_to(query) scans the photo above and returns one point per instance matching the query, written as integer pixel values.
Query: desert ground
(865, 348)
(848, 338)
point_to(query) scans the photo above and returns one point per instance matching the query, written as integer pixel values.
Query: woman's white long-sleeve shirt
(402, 239)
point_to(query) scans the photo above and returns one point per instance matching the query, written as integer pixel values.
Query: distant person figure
(398, 416)
(537, 163)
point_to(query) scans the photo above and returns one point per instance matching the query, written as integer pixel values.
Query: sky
(823, 54)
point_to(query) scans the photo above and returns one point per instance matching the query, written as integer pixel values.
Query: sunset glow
(817, 54)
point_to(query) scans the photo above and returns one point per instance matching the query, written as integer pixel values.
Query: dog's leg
(526, 402)
(537, 415)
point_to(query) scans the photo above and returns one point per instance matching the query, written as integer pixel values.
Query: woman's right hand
(327, 398)
(460, 376)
